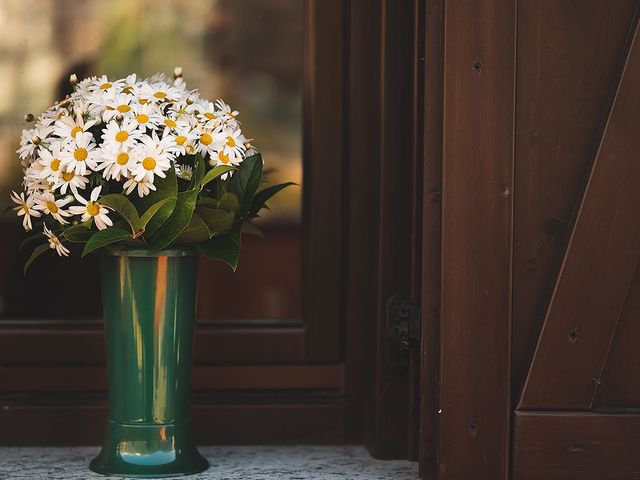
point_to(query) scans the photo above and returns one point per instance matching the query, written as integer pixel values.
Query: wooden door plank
(598, 266)
(576, 446)
(479, 50)
(432, 82)
(621, 376)
(568, 59)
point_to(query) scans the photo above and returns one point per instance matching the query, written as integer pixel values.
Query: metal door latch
(403, 321)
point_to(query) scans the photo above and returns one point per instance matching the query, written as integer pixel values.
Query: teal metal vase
(149, 315)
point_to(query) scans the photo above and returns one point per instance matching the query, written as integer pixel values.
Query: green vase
(149, 315)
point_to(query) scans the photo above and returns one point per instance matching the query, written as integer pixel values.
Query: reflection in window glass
(227, 49)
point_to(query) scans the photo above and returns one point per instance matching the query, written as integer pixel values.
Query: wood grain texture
(323, 163)
(620, 383)
(568, 63)
(576, 446)
(395, 256)
(219, 422)
(431, 80)
(82, 343)
(479, 50)
(363, 197)
(94, 379)
(599, 264)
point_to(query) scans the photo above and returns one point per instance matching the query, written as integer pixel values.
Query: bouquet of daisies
(139, 164)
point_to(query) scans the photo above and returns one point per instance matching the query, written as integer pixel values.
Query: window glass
(232, 49)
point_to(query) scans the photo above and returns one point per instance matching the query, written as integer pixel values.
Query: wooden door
(577, 242)
(531, 287)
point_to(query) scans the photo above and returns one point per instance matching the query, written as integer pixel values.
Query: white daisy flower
(51, 162)
(146, 116)
(228, 147)
(79, 155)
(184, 140)
(165, 143)
(185, 172)
(25, 207)
(131, 86)
(91, 209)
(159, 92)
(206, 140)
(116, 163)
(225, 108)
(122, 135)
(47, 203)
(31, 139)
(103, 84)
(208, 115)
(33, 179)
(69, 179)
(68, 127)
(116, 104)
(144, 186)
(55, 243)
(150, 160)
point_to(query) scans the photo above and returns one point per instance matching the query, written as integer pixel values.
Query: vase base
(149, 450)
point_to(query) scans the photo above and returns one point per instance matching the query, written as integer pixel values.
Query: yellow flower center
(105, 86)
(142, 118)
(160, 95)
(55, 164)
(127, 90)
(68, 176)
(124, 108)
(93, 209)
(149, 163)
(206, 139)
(210, 116)
(180, 139)
(231, 142)
(143, 101)
(122, 158)
(75, 131)
(223, 158)
(80, 154)
(25, 208)
(122, 136)
(169, 123)
(53, 208)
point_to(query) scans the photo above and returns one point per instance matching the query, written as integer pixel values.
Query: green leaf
(77, 233)
(165, 188)
(39, 250)
(31, 239)
(177, 222)
(260, 199)
(230, 203)
(251, 229)
(218, 221)
(198, 171)
(151, 211)
(246, 180)
(225, 247)
(214, 173)
(207, 202)
(196, 232)
(105, 237)
(124, 207)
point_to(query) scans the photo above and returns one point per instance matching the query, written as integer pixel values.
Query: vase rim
(142, 252)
